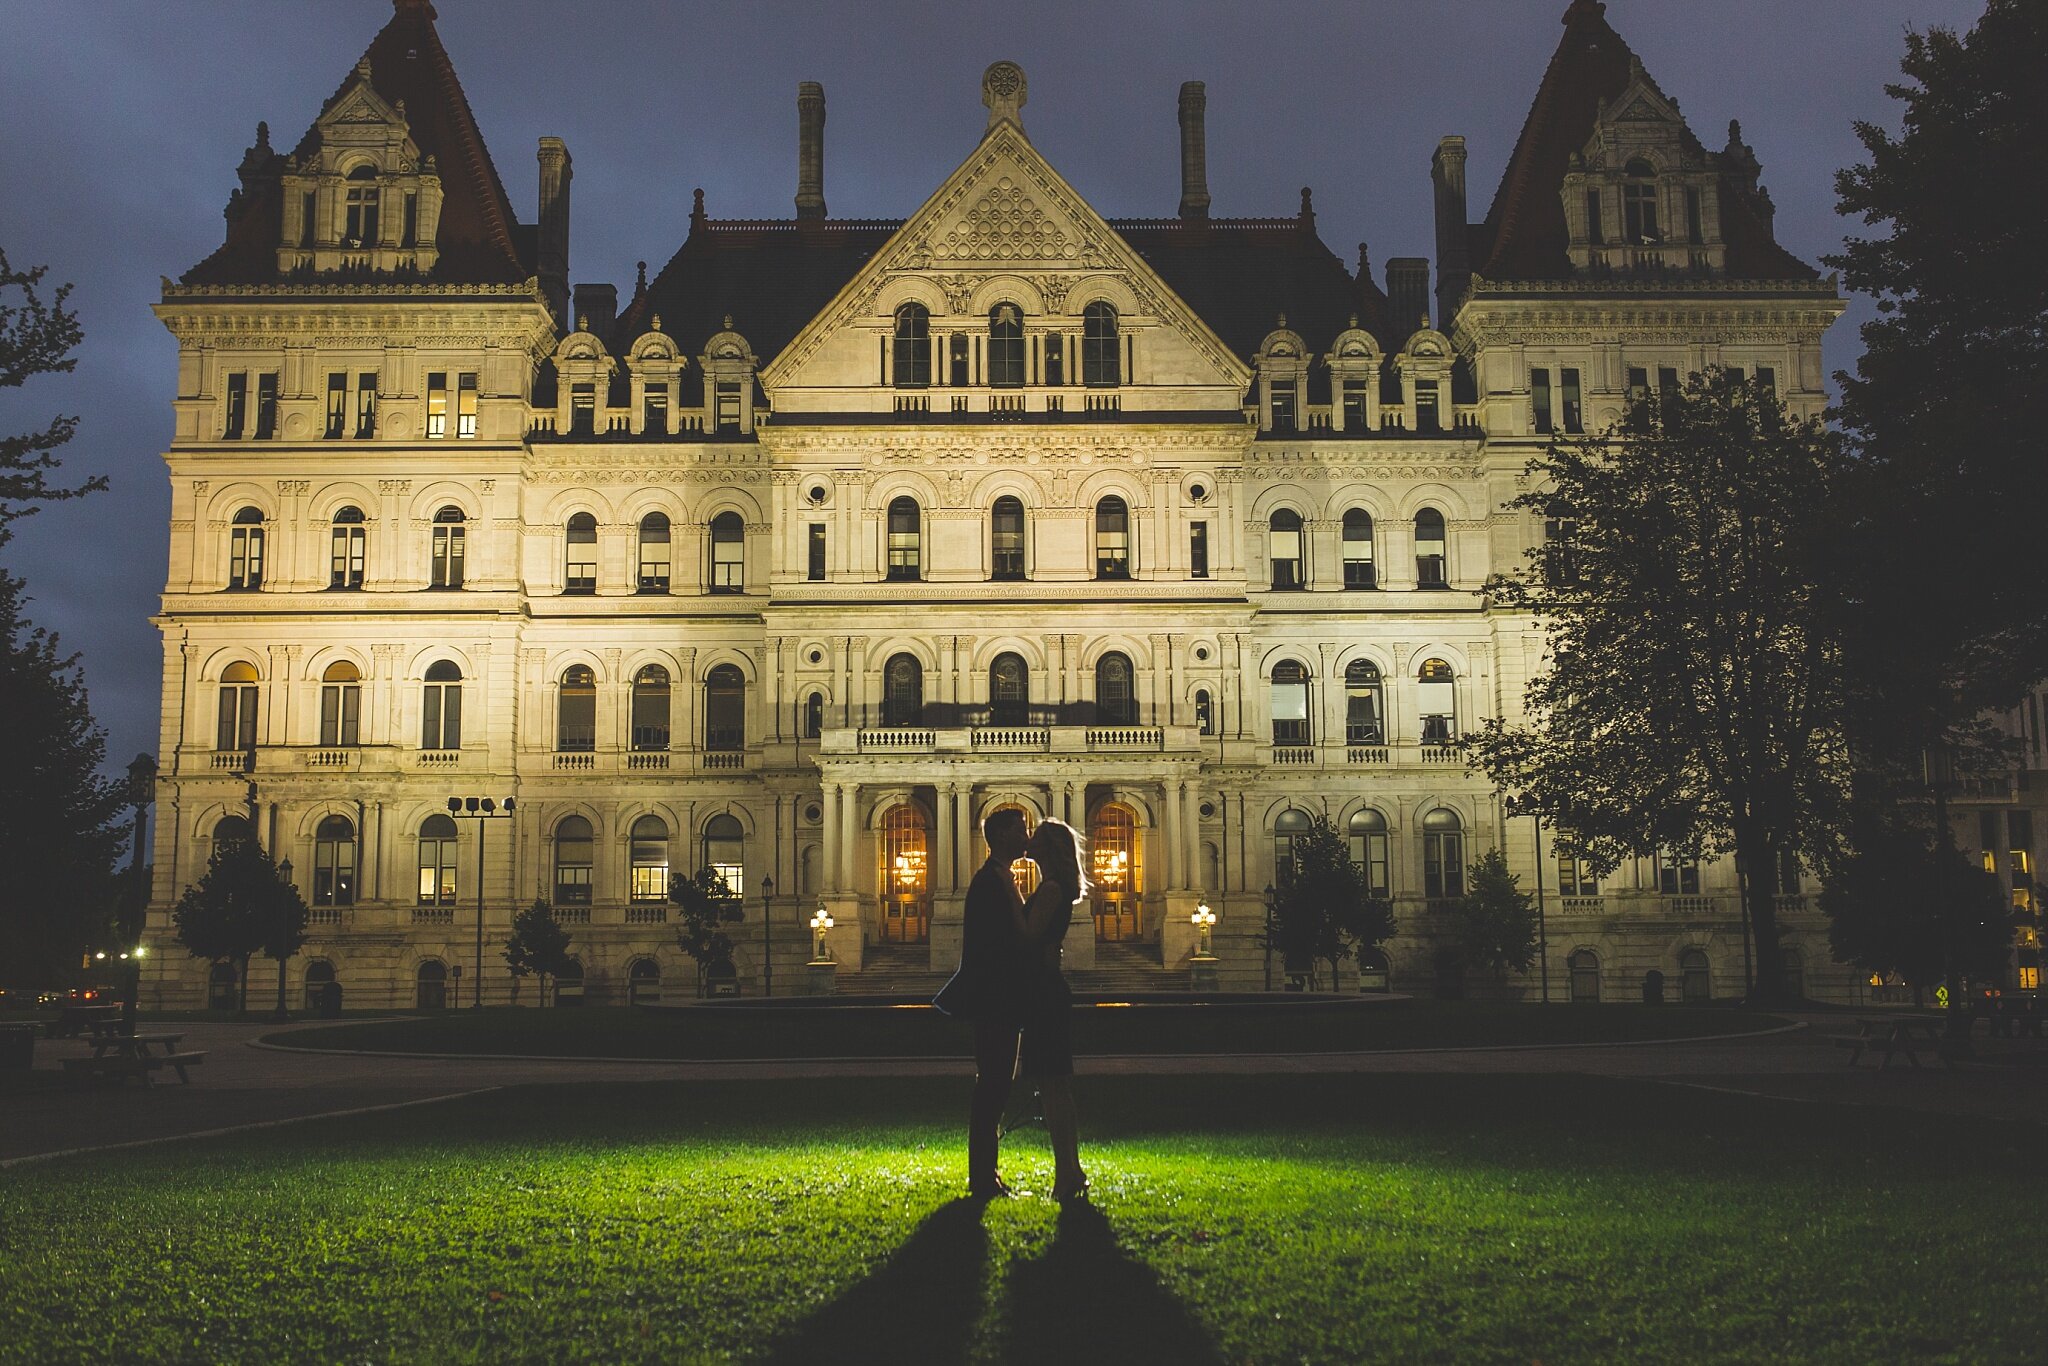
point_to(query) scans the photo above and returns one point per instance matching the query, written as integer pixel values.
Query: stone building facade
(839, 534)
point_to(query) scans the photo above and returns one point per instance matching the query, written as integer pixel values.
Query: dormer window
(359, 220)
(1639, 204)
(1006, 347)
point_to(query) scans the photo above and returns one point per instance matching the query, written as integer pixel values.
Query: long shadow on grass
(1086, 1300)
(920, 1307)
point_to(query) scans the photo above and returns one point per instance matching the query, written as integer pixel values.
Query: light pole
(821, 922)
(767, 941)
(1205, 921)
(480, 809)
(284, 869)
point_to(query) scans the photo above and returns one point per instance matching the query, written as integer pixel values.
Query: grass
(882, 1031)
(1268, 1219)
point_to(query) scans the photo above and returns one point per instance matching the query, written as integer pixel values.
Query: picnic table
(74, 1018)
(119, 1054)
(1891, 1035)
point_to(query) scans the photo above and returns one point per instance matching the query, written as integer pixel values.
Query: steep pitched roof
(1524, 236)
(479, 238)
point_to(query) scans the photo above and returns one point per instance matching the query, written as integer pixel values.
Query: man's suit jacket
(992, 978)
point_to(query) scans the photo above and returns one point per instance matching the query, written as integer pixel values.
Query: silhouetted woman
(1047, 1056)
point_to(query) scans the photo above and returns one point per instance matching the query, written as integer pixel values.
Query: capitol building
(830, 536)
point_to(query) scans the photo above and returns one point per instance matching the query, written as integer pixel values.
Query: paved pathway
(241, 1084)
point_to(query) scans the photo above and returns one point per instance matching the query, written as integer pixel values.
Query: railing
(653, 759)
(579, 762)
(897, 737)
(331, 758)
(1366, 754)
(235, 761)
(1441, 905)
(1442, 754)
(439, 758)
(645, 915)
(433, 915)
(1104, 403)
(1582, 905)
(1689, 905)
(1027, 738)
(1285, 755)
(572, 915)
(1790, 903)
(913, 403)
(1126, 737)
(721, 760)
(1006, 405)
(324, 915)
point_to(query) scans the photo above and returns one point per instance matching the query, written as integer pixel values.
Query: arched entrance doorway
(905, 874)
(1116, 870)
(431, 985)
(1584, 965)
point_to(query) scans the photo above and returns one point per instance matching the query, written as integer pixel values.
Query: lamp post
(284, 868)
(767, 942)
(1205, 922)
(480, 809)
(820, 922)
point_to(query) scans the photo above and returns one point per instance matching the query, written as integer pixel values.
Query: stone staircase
(1121, 968)
(894, 970)
(904, 971)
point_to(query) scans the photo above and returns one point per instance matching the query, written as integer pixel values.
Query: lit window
(905, 549)
(1436, 702)
(437, 859)
(1364, 704)
(575, 856)
(1290, 704)
(649, 859)
(334, 862)
(437, 404)
(345, 561)
(725, 852)
(465, 406)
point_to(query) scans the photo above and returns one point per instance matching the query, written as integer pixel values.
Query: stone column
(1191, 831)
(1170, 843)
(828, 875)
(942, 870)
(849, 800)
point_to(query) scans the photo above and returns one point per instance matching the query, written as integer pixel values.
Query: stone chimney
(810, 150)
(1453, 252)
(1194, 152)
(552, 245)
(1407, 296)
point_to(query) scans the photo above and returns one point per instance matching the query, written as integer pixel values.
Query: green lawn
(884, 1031)
(1271, 1219)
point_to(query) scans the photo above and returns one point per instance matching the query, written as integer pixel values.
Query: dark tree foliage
(1692, 694)
(1324, 913)
(1946, 566)
(1495, 921)
(539, 945)
(707, 904)
(241, 906)
(37, 337)
(1905, 903)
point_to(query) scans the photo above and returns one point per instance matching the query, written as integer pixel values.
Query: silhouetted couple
(1009, 985)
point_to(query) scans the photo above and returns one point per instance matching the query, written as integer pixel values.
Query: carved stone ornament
(959, 291)
(1054, 290)
(1004, 90)
(1004, 224)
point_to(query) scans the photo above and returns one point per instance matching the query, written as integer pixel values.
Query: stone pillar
(1169, 830)
(828, 875)
(942, 870)
(849, 838)
(963, 846)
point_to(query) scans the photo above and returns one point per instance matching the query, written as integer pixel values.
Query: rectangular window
(1055, 359)
(448, 555)
(1539, 401)
(1767, 380)
(728, 407)
(1638, 394)
(340, 714)
(309, 214)
(238, 406)
(1695, 224)
(1667, 380)
(366, 405)
(1198, 550)
(465, 406)
(1677, 875)
(956, 364)
(654, 409)
(728, 565)
(583, 410)
(412, 221)
(1354, 405)
(1575, 877)
(1574, 412)
(437, 404)
(266, 406)
(1283, 406)
(337, 405)
(1428, 417)
(814, 554)
(1596, 231)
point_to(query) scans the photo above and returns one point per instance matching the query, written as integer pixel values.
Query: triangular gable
(1006, 211)
(359, 104)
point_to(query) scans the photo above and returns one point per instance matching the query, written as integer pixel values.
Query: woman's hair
(1062, 861)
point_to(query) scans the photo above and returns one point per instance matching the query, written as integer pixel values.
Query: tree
(1905, 901)
(1943, 407)
(36, 338)
(1692, 697)
(1324, 912)
(241, 906)
(539, 945)
(1495, 921)
(706, 903)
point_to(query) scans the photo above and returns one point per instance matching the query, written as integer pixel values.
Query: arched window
(654, 553)
(649, 859)
(1359, 571)
(1639, 204)
(579, 568)
(1116, 703)
(1695, 977)
(346, 550)
(1006, 539)
(1443, 855)
(341, 705)
(902, 691)
(1101, 347)
(229, 831)
(431, 985)
(1289, 826)
(334, 862)
(1436, 701)
(1006, 347)
(575, 854)
(1112, 539)
(905, 874)
(725, 852)
(1116, 874)
(1584, 965)
(905, 540)
(650, 709)
(1283, 548)
(1364, 704)
(319, 977)
(359, 209)
(912, 357)
(449, 549)
(237, 720)
(643, 980)
(441, 707)
(728, 553)
(1009, 691)
(245, 551)
(1429, 549)
(814, 716)
(725, 709)
(576, 711)
(1369, 850)
(1205, 712)
(1290, 704)
(437, 861)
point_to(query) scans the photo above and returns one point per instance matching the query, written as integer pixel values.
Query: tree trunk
(1754, 850)
(242, 987)
(281, 1011)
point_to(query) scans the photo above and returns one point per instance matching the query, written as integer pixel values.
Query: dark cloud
(125, 121)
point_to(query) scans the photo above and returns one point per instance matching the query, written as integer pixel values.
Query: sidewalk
(244, 1085)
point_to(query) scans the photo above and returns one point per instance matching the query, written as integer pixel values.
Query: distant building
(839, 534)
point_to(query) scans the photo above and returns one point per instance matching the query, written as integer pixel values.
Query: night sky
(124, 120)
